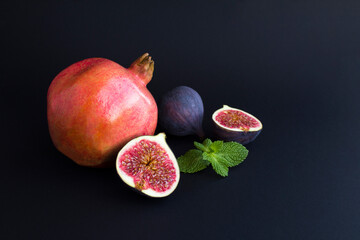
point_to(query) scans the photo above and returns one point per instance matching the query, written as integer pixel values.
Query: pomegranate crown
(143, 68)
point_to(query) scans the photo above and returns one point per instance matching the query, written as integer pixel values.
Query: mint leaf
(216, 146)
(192, 161)
(201, 147)
(220, 169)
(207, 142)
(218, 163)
(220, 155)
(233, 152)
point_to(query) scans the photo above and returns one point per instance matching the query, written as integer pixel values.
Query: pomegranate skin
(96, 106)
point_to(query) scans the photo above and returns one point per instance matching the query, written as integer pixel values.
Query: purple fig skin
(181, 112)
(244, 137)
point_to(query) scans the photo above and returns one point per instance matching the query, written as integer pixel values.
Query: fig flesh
(181, 112)
(148, 165)
(231, 124)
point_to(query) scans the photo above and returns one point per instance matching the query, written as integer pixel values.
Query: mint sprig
(192, 161)
(221, 155)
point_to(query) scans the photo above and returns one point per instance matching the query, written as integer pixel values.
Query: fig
(148, 165)
(231, 124)
(95, 106)
(181, 112)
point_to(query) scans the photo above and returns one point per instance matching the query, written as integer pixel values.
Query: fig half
(147, 164)
(231, 124)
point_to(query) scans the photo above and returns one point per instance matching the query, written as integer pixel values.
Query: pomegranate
(147, 164)
(96, 106)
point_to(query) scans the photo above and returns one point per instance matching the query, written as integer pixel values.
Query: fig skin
(181, 112)
(236, 135)
(243, 137)
(95, 106)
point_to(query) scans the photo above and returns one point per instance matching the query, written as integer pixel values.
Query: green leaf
(218, 163)
(216, 146)
(220, 155)
(220, 169)
(201, 147)
(192, 161)
(207, 142)
(233, 152)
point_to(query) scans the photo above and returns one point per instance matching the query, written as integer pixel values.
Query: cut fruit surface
(236, 119)
(147, 164)
(233, 124)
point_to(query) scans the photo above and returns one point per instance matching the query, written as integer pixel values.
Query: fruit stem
(143, 68)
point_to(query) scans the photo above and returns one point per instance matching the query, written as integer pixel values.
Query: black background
(293, 64)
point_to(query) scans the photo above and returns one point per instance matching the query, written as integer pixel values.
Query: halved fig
(147, 164)
(231, 124)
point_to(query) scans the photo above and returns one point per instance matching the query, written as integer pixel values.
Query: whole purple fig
(181, 112)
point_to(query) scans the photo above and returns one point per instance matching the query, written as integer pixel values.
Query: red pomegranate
(96, 106)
